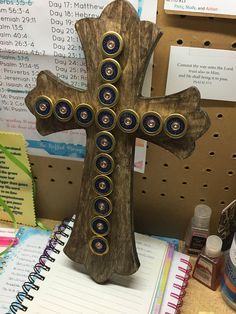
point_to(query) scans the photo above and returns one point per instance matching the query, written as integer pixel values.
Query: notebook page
(67, 289)
(171, 290)
(19, 263)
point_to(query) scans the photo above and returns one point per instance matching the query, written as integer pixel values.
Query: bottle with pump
(198, 229)
(209, 265)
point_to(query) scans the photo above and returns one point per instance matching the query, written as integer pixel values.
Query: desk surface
(198, 297)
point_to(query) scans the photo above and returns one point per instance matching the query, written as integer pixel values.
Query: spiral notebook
(176, 284)
(61, 286)
(18, 262)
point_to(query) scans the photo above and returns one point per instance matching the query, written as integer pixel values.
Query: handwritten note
(212, 7)
(15, 185)
(212, 71)
(19, 263)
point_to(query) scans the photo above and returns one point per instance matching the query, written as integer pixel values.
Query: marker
(5, 241)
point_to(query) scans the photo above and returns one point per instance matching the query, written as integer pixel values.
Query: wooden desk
(198, 297)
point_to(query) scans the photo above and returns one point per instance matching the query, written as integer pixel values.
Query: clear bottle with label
(198, 229)
(228, 287)
(209, 265)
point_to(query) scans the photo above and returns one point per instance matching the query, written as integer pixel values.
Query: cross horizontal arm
(50, 86)
(185, 103)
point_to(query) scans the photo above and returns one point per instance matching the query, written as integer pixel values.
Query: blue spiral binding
(30, 284)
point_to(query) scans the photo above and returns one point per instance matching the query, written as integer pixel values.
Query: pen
(5, 241)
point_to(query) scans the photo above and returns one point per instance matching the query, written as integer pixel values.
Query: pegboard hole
(220, 116)
(222, 202)
(180, 42)
(166, 165)
(187, 167)
(202, 200)
(68, 168)
(52, 180)
(144, 178)
(163, 194)
(207, 43)
(184, 182)
(205, 185)
(208, 170)
(234, 156)
(144, 192)
(31, 164)
(216, 135)
(230, 173)
(70, 182)
(233, 45)
(226, 188)
(212, 153)
(35, 178)
(164, 180)
(182, 197)
(146, 162)
(50, 166)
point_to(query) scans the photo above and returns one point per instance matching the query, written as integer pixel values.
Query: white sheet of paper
(38, 35)
(212, 71)
(226, 7)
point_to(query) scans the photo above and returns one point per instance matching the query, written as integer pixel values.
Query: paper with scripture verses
(212, 71)
(201, 7)
(40, 35)
(16, 187)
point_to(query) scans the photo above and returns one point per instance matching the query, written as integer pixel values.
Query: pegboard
(166, 194)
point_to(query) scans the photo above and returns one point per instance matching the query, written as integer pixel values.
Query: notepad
(67, 289)
(18, 262)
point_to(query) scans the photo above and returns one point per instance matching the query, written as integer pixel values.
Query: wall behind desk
(166, 194)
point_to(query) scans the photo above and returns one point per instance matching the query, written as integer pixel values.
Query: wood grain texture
(140, 38)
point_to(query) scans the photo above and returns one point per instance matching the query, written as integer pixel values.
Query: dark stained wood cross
(118, 47)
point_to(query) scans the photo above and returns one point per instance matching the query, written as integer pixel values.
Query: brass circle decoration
(102, 206)
(43, 107)
(151, 123)
(99, 245)
(105, 119)
(84, 115)
(104, 163)
(100, 226)
(112, 44)
(108, 95)
(128, 121)
(102, 185)
(63, 110)
(110, 70)
(175, 125)
(105, 141)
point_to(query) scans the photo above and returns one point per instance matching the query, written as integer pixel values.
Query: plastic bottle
(198, 229)
(229, 278)
(209, 265)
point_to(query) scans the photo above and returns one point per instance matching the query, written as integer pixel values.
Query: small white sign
(212, 71)
(226, 7)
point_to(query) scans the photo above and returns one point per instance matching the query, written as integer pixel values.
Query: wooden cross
(118, 47)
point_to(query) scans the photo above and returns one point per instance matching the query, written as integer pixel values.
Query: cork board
(165, 195)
